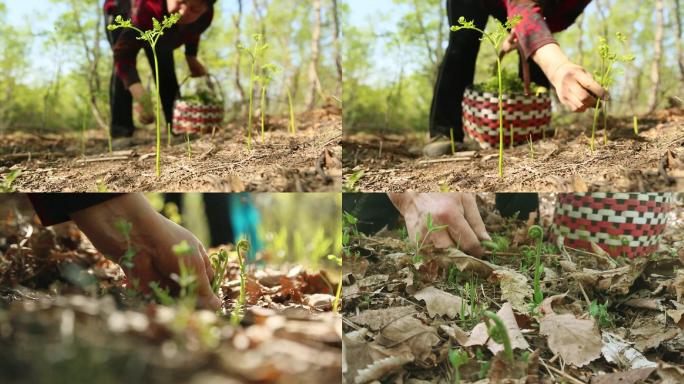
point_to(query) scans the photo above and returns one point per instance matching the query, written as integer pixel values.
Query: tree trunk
(338, 48)
(237, 21)
(314, 82)
(657, 56)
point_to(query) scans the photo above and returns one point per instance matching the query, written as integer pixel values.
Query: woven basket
(193, 116)
(530, 117)
(623, 224)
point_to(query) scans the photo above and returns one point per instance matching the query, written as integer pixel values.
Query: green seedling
(605, 76)
(350, 185)
(338, 293)
(600, 313)
(242, 250)
(151, 37)
(457, 358)
(431, 228)
(101, 186)
(168, 135)
(453, 144)
(220, 264)
(124, 228)
(293, 127)
(531, 143)
(186, 277)
(189, 148)
(162, 294)
(495, 39)
(537, 233)
(6, 184)
(267, 72)
(498, 332)
(255, 53)
(485, 364)
(636, 126)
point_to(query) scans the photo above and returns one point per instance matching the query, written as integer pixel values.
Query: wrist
(550, 59)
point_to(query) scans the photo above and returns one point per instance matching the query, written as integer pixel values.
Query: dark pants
(218, 215)
(374, 211)
(121, 100)
(458, 67)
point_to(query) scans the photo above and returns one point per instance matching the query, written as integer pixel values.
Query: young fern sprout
(498, 332)
(254, 53)
(457, 358)
(338, 293)
(187, 140)
(242, 251)
(495, 39)
(220, 264)
(267, 72)
(605, 75)
(152, 37)
(536, 232)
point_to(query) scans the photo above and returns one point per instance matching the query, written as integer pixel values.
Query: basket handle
(525, 70)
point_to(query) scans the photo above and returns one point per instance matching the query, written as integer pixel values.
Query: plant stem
(292, 116)
(501, 327)
(338, 294)
(168, 135)
(501, 128)
(453, 145)
(263, 110)
(156, 75)
(251, 107)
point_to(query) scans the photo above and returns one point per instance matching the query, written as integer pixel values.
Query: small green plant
(537, 233)
(604, 74)
(255, 53)
(457, 358)
(498, 332)
(124, 228)
(453, 144)
(293, 127)
(187, 141)
(431, 228)
(101, 186)
(267, 72)
(242, 248)
(220, 264)
(636, 125)
(151, 37)
(495, 39)
(600, 313)
(485, 364)
(186, 277)
(338, 292)
(350, 185)
(162, 294)
(6, 185)
(168, 135)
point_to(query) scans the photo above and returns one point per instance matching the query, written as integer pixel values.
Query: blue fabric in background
(245, 220)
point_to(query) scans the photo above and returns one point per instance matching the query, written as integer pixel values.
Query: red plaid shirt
(540, 18)
(142, 11)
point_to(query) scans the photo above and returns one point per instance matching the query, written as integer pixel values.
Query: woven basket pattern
(623, 224)
(196, 117)
(530, 116)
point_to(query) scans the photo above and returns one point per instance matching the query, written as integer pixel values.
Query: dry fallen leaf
(479, 335)
(410, 331)
(380, 368)
(629, 377)
(441, 303)
(376, 319)
(577, 341)
(670, 374)
(515, 289)
(619, 352)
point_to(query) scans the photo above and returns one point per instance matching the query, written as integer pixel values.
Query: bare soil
(306, 161)
(649, 161)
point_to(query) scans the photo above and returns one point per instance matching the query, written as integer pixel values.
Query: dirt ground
(652, 161)
(601, 320)
(68, 315)
(307, 161)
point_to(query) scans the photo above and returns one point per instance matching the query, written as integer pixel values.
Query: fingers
(588, 83)
(472, 215)
(461, 233)
(207, 297)
(207, 263)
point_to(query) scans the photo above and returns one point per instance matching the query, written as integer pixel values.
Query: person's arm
(576, 88)
(456, 210)
(192, 43)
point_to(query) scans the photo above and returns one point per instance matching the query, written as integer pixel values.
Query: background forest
(393, 49)
(56, 62)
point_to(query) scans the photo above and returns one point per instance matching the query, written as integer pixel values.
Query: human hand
(197, 69)
(576, 88)
(508, 45)
(152, 238)
(458, 211)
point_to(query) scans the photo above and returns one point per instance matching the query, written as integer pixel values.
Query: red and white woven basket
(530, 117)
(196, 117)
(623, 224)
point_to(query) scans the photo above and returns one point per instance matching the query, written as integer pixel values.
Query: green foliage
(242, 248)
(6, 184)
(601, 314)
(604, 74)
(124, 228)
(255, 53)
(350, 185)
(431, 228)
(220, 264)
(267, 73)
(510, 80)
(537, 233)
(495, 38)
(457, 358)
(186, 277)
(151, 37)
(498, 332)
